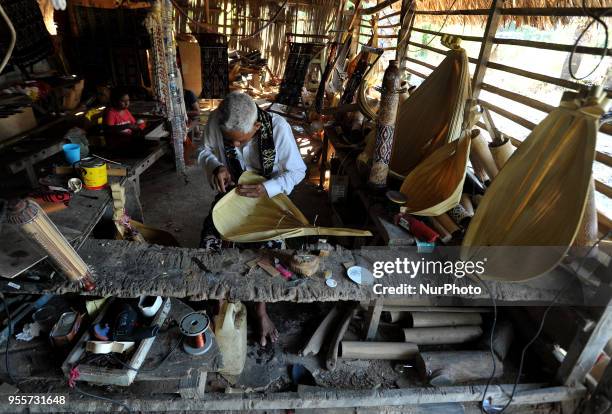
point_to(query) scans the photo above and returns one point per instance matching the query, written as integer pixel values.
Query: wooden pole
(442, 335)
(406, 20)
(385, 126)
(452, 367)
(378, 350)
(485, 48)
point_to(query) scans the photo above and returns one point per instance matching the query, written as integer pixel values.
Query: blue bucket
(72, 152)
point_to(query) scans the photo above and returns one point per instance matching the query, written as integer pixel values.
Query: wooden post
(487, 44)
(373, 319)
(585, 349)
(385, 126)
(378, 350)
(406, 22)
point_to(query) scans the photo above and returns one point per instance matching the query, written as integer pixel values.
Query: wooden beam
(388, 16)
(533, 103)
(485, 49)
(416, 73)
(537, 76)
(507, 114)
(321, 398)
(461, 12)
(603, 188)
(422, 63)
(439, 51)
(378, 7)
(552, 46)
(552, 11)
(463, 37)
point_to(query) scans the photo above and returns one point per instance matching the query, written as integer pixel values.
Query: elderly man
(241, 137)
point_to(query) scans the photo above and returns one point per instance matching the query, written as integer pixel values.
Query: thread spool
(197, 338)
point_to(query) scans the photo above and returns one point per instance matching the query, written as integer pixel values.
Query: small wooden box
(112, 376)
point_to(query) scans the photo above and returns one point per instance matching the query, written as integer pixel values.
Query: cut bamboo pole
(334, 347)
(481, 154)
(452, 367)
(502, 153)
(433, 319)
(441, 335)
(445, 235)
(466, 202)
(316, 341)
(378, 350)
(448, 224)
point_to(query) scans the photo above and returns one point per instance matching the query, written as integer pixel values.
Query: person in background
(191, 104)
(242, 137)
(118, 119)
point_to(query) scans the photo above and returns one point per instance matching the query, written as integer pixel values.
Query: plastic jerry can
(231, 336)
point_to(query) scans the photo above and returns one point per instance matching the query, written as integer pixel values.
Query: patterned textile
(265, 144)
(300, 55)
(33, 40)
(215, 66)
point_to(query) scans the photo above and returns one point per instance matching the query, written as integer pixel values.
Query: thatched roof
(555, 6)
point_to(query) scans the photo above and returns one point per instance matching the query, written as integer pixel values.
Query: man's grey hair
(237, 112)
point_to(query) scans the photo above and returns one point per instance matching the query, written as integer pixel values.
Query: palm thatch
(535, 21)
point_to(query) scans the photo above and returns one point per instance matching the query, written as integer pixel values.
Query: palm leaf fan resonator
(432, 115)
(246, 219)
(531, 213)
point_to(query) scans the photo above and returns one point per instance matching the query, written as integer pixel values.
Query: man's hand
(221, 179)
(251, 190)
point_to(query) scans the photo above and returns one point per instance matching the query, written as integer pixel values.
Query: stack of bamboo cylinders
(447, 326)
(439, 328)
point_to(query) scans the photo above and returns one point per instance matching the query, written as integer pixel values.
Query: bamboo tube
(502, 153)
(452, 367)
(476, 199)
(460, 215)
(433, 319)
(481, 154)
(440, 335)
(385, 126)
(33, 221)
(587, 230)
(445, 236)
(448, 224)
(378, 350)
(466, 202)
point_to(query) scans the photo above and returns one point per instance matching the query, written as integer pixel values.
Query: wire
(98, 397)
(537, 334)
(272, 20)
(438, 32)
(598, 19)
(8, 339)
(9, 50)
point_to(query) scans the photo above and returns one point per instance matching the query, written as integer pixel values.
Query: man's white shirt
(289, 168)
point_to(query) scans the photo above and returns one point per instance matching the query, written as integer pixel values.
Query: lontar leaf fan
(246, 219)
(435, 185)
(529, 216)
(431, 116)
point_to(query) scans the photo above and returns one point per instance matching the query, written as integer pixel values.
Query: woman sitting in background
(118, 118)
(122, 131)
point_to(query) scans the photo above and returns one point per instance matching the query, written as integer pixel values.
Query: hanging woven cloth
(530, 215)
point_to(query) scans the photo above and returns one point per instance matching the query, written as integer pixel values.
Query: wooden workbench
(77, 221)
(128, 269)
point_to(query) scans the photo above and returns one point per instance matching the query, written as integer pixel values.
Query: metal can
(93, 173)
